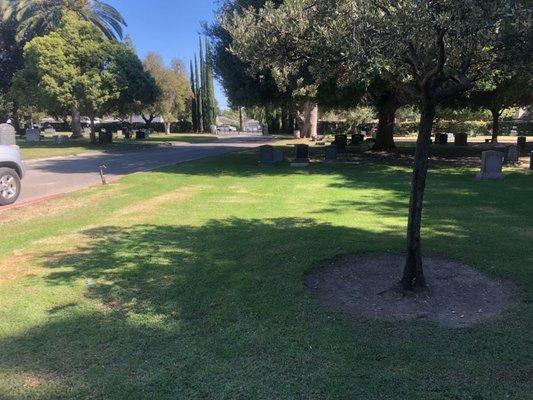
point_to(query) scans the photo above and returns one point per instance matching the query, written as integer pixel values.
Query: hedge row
(175, 127)
(405, 128)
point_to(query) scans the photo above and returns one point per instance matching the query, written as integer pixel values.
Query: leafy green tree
(431, 51)
(497, 95)
(279, 39)
(199, 98)
(137, 87)
(210, 109)
(242, 87)
(11, 59)
(194, 107)
(426, 51)
(73, 67)
(30, 18)
(175, 91)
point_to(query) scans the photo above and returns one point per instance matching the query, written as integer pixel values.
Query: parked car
(12, 170)
(226, 128)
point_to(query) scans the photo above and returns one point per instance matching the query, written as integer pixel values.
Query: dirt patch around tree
(456, 296)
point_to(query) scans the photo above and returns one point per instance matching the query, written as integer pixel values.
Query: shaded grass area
(194, 289)
(47, 147)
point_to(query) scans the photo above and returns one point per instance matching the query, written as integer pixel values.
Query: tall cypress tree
(203, 88)
(210, 87)
(194, 118)
(199, 100)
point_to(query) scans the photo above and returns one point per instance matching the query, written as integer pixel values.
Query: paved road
(53, 176)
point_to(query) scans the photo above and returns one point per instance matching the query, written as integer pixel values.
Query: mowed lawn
(47, 148)
(187, 283)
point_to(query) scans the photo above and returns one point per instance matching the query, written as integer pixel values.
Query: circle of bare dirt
(364, 285)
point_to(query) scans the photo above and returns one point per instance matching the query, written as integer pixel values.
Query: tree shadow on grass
(219, 311)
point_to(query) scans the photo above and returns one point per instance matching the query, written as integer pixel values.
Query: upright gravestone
(265, 129)
(491, 165)
(441, 138)
(33, 135)
(461, 139)
(268, 155)
(105, 137)
(521, 141)
(140, 135)
(512, 154)
(331, 153)
(357, 138)
(61, 139)
(302, 156)
(341, 141)
(7, 135)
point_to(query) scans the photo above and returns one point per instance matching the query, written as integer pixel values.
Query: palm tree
(37, 17)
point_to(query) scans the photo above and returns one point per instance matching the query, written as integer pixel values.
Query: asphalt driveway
(54, 176)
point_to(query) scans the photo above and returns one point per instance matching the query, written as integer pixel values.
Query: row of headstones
(34, 135)
(268, 155)
(492, 162)
(461, 139)
(491, 165)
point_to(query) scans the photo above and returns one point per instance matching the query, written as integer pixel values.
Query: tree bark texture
(76, 124)
(385, 133)
(413, 274)
(495, 125)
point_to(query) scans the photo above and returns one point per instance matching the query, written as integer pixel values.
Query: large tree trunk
(303, 125)
(291, 124)
(284, 120)
(93, 132)
(313, 120)
(15, 118)
(148, 120)
(76, 124)
(385, 134)
(308, 119)
(413, 274)
(495, 125)
(241, 123)
(167, 128)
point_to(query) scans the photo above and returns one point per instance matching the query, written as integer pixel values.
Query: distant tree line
(278, 59)
(67, 59)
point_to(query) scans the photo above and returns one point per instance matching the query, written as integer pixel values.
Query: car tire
(9, 186)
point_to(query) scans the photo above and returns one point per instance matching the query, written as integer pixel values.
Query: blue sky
(168, 27)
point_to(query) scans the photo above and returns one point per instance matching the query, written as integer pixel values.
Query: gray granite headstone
(341, 141)
(441, 138)
(357, 138)
(512, 154)
(461, 139)
(302, 156)
(7, 135)
(268, 155)
(331, 153)
(61, 139)
(491, 165)
(33, 135)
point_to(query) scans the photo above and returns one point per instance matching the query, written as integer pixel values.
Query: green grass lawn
(47, 148)
(193, 289)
